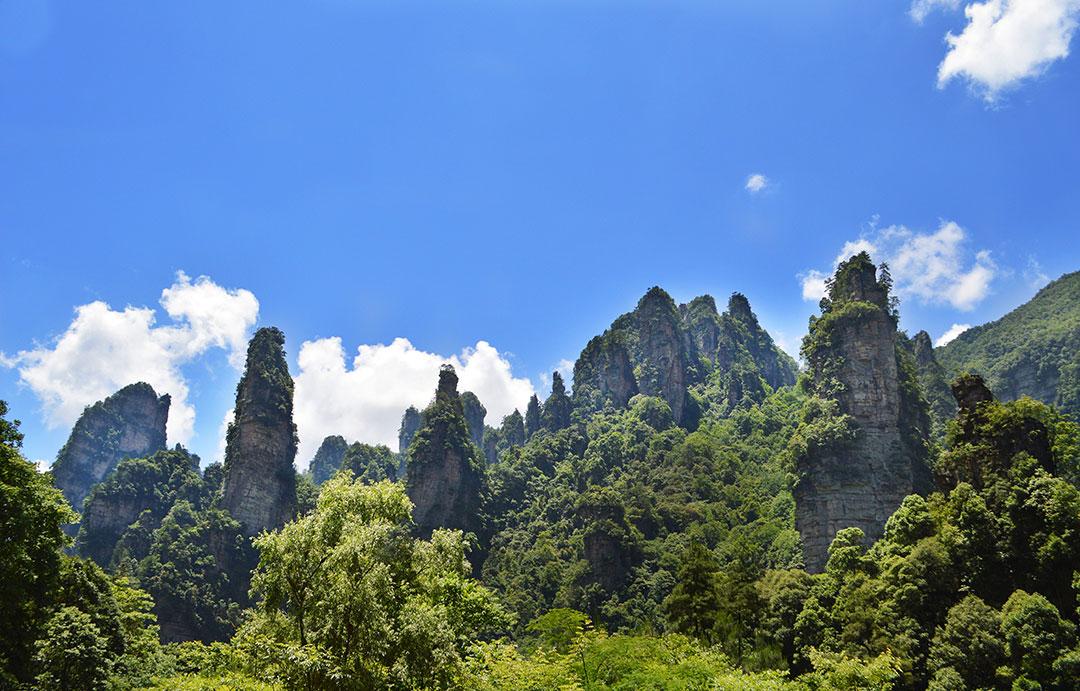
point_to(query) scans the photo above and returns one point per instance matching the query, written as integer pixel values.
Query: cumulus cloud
(950, 335)
(364, 401)
(104, 349)
(756, 183)
(1007, 41)
(934, 268)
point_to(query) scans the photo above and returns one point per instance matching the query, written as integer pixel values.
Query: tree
(694, 606)
(350, 599)
(532, 417)
(1035, 636)
(73, 654)
(32, 514)
(558, 406)
(969, 646)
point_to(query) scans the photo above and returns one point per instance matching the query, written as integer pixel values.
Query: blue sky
(512, 173)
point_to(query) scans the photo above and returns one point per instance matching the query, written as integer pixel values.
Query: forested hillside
(1032, 351)
(694, 513)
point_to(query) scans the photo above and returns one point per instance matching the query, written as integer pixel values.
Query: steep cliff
(603, 373)
(410, 424)
(128, 424)
(1032, 351)
(863, 444)
(260, 480)
(327, 459)
(138, 485)
(661, 353)
(444, 478)
(696, 359)
(475, 412)
(934, 383)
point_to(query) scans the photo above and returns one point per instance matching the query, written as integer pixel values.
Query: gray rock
(260, 480)
(128, 424)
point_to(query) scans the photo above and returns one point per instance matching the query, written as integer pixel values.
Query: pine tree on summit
(557, 407)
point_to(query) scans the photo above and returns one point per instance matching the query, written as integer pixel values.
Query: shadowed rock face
(444, 476)
(328, 458)
(475, 412)
(856, 363)
(128, 424)
(933, 381)
(151, 485)
(260, 480)
(662, 350)
(604, 372)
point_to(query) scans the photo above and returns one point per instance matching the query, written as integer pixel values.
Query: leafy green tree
(350, 599)
(73, 653)
(694, 606)
(969, 647)
(1035, 636)
(371, 463)
(32, 516)
(532, 417)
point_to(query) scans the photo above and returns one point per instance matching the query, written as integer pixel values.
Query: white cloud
(934, 268)
(565, 368)
(364, 402)
(954, 331)
(1007, 41)
(756, 183)
(1034, 275)
(104, 349)
(813, 285)
(921, 9)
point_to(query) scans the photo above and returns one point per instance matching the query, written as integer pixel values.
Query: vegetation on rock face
(445, 472)
(863, 444)
(128, 424)
(328, 458)
(610, 541)
(133, 500)
(259, 489)
(1033, 350)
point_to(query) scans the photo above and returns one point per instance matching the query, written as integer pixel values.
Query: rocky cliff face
(137, 486)
(444, 478)
(260, 480)
(933, 381)
(667, 351)
(410, 424)
(328, 458)
(475, 412)
(662, 353)
(603, 374)
(859, 380)
(742, 335)
(128, 424)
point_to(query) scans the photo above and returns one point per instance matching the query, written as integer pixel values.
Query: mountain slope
(1033, 350)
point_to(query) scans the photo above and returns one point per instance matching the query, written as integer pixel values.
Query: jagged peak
(656, 296)
(706, 303)
(857, 279)
(739, 307)
(448, 381)
(970, 390)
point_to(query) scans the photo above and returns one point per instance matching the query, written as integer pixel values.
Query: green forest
(696, 512)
